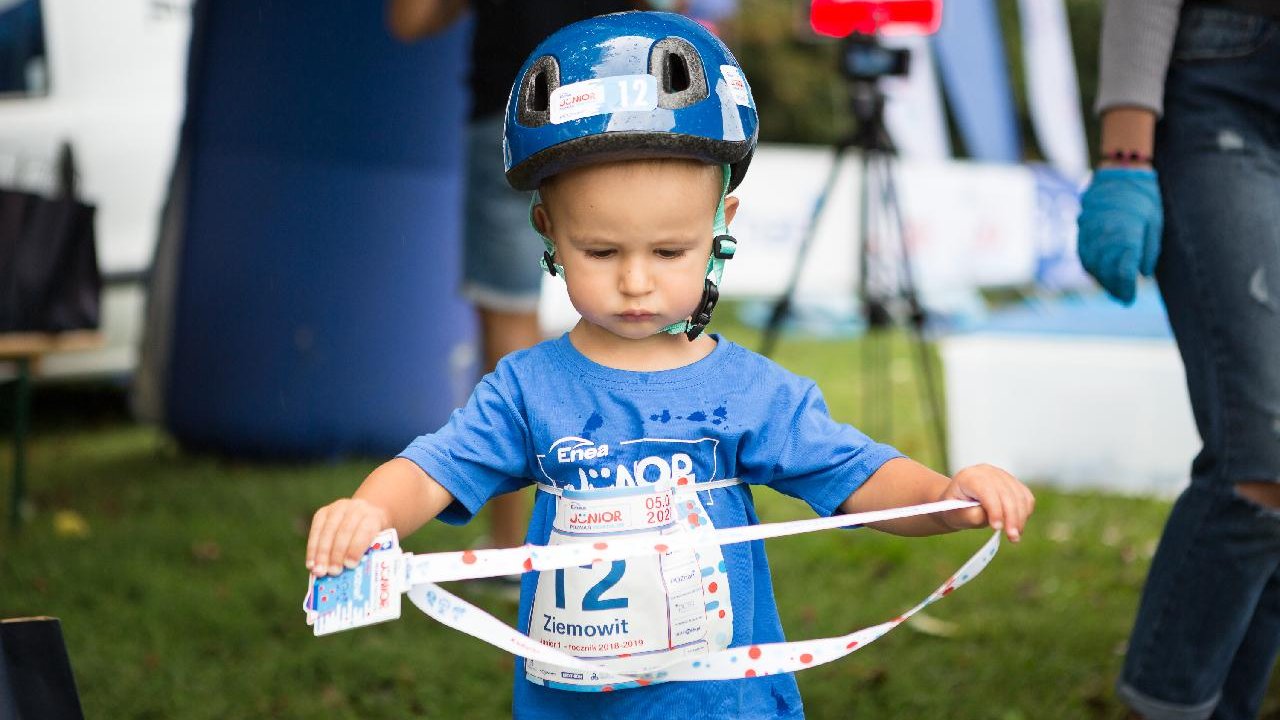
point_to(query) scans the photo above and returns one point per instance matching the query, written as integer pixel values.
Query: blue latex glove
(1120, 224)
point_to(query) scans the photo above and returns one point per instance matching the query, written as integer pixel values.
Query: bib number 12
(591, 600)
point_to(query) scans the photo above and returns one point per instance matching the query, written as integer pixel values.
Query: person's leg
(503, 280)
(1246, 683)
(1198, 619)
(1206, 625)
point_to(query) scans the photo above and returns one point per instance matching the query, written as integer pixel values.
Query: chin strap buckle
(702, 314)
(723, 247)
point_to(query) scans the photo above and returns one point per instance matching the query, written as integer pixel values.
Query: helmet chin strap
(723, 247)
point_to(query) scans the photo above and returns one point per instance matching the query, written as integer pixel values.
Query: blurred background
(267, 208)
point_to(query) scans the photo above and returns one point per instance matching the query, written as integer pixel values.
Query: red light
(842, 18)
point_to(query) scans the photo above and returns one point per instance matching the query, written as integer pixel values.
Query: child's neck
(651, 354)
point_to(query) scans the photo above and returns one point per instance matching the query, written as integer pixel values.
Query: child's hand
(1006, 502)
(340, 533)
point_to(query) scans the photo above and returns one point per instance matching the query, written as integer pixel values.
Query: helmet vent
(533, 106)
(676, 77)
(677, 65)
(541, 100)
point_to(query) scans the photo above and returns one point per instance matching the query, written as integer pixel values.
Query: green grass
(184, 598)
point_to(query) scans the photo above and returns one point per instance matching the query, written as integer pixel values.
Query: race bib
(636, 614)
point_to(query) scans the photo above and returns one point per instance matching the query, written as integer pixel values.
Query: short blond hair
(714, 173)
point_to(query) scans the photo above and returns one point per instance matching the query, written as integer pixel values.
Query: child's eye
(599, 254)
(669, 253)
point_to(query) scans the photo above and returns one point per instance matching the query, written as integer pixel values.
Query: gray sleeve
(1137, 40)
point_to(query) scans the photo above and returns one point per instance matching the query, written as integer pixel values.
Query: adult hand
(1120, 223)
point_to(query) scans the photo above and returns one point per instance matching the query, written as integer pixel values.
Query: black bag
(36, 682)
(49, 277)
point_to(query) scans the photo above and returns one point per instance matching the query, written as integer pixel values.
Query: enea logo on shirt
(583, 464)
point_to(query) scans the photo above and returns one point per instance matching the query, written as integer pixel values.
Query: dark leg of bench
(21, 415)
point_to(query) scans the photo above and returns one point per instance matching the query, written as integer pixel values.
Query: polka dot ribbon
(424, 571)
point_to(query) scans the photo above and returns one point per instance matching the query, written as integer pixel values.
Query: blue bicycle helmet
(627, 86)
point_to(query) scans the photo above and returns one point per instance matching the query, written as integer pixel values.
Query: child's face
(634, 239)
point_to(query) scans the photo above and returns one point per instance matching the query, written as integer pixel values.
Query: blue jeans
(1208, 627)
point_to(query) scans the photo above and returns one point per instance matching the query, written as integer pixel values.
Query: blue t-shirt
(732, 414)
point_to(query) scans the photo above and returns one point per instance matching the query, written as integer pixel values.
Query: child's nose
(637, 278)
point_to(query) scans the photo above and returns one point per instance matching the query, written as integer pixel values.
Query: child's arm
(1006, 502)
(398, 494)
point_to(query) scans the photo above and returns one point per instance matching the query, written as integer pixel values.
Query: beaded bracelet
(1126, 157)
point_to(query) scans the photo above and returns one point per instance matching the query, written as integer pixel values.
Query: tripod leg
(931, 395)
(876, 390)
(782, 307)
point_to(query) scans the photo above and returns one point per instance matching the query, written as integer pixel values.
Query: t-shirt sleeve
(1133, 55)
(822, 461)
(479, 454)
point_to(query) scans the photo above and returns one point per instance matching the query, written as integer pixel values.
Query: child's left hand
(1006, 502)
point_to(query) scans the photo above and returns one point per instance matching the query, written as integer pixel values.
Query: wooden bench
(25, 350)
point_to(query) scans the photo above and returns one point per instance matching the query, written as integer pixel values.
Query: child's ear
(730, 208)
(541, 219)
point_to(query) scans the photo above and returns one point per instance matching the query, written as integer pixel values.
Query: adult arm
(1133, 59)
(411, 20)
(1121, 219)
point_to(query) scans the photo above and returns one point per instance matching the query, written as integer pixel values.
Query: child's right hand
(340, 533)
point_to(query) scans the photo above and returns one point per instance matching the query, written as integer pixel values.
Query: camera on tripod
(887, 293)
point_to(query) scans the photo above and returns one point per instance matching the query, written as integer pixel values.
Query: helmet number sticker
(600, 96)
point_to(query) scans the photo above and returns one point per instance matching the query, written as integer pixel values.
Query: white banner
(967, 225)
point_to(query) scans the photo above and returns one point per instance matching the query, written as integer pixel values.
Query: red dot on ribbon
(750, 672)
(600, 546)
(693, 519)
(660, 548)
(682, 481)
(721, 613)
(713, 587)
(754, 653)
(852, 645)
(806, 658)
(641, 681)
(947, 591)
(528, 564)
(468, 557)
(607, 688)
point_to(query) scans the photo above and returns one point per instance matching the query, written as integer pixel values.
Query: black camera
(865, 59)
